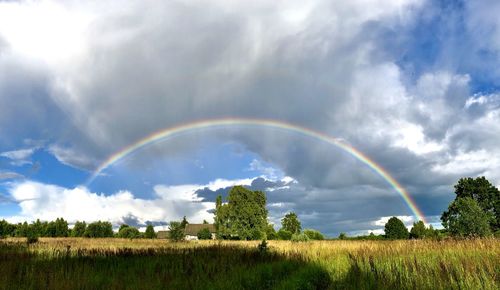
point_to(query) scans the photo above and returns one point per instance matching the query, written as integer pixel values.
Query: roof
(163, 234)
(193, 229)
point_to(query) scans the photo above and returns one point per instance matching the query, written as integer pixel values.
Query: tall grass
(76, 263)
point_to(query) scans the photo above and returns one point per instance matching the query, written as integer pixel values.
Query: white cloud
(47, 202)
(19, 157)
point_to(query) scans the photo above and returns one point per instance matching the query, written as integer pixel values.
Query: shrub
(314, 234)
(284, 235)
(129, 233)
(262, 247)
(204, 234)
(299, 237)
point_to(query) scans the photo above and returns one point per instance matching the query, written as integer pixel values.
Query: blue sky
(412, 84)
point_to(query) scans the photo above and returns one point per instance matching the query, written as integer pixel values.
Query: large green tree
(395, 229)
(484, 193)
(466, 218)
(243, 216)
(291, 223)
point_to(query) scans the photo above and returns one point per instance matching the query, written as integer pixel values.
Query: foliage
(487, 198)
(57, 228)
(342, 236)
(3, 229)
(79, 229)
(465, 218)
(485, 194)
(271, 232)
(128, 232)
(262, 247)
(150, 232)
(184, 222)
(284, 235)
(314, 234)
(204, 234)
(395, 229)
(99, 229)
(291, 223)
(22, 229)
(176, 231)
(301, 237)
(244, 215)
(418, 231)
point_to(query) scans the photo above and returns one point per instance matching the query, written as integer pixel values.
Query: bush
(299, 237)
(314, 234)
(284, 235)
(204, 234)
(129, 233)
(262, 247)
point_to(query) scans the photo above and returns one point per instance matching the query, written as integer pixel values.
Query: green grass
(144, 264)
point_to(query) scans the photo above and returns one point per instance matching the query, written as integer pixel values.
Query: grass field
(78, 263)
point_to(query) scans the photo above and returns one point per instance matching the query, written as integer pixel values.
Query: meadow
(82, 263)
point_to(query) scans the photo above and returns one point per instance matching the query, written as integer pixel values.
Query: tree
(184, 222)
(418, 231)
(291, 223)
(128, 232)
(466, 218)
(313, 234)
(176, 231)
(99, 229)
(22, 230)
(57, 228)
(342, 236)
(39, 228)
(204, 234)
(4, 227)
(484, 193)
(244, 216)
(284, 235)
(150, 232)
(395, 229)
(271, 232)
(79, 229)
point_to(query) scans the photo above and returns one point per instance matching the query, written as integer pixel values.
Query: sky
(412, 84)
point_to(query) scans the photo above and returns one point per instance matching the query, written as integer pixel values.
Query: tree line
(60, 228)
(475, 212)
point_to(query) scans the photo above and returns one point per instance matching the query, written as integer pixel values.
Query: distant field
(79, 263)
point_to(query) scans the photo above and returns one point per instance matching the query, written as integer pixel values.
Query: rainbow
(268, 123)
